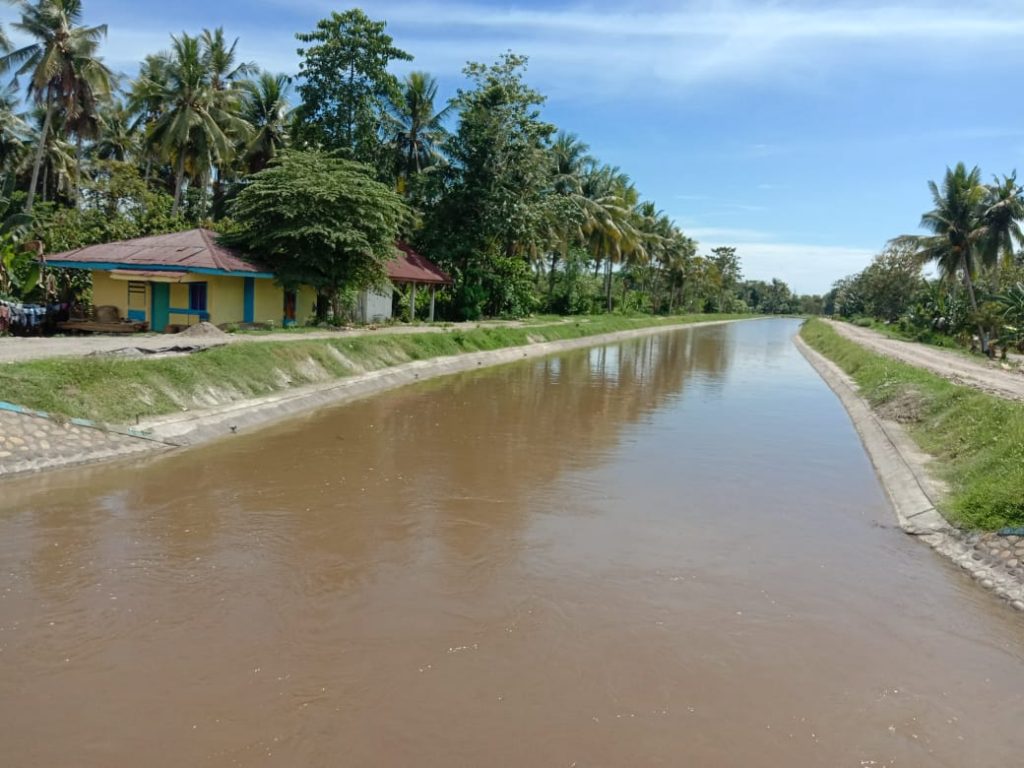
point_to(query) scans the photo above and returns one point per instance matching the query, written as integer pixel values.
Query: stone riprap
(29, 443)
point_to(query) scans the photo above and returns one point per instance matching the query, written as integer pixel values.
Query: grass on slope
(977, 439)
(122, 390)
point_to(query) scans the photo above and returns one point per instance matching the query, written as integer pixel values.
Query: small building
(183, 278)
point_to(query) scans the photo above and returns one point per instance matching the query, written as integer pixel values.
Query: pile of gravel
(204, 330)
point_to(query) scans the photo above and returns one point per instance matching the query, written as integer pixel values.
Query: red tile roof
(410, 267)
(196, 249)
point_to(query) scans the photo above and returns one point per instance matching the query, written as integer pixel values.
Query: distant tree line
(521, 214)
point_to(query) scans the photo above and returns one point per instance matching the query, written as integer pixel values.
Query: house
(182, 278)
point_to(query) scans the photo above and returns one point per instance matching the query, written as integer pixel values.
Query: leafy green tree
(888, 286)
(727, 273)
(116, 204)
(319, 220)
(496, 201)
(19, 272)
(63, 69)
(346, 86)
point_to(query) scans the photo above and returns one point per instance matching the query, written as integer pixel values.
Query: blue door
(248, 300)
(160, 305)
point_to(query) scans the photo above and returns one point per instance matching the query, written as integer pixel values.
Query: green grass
(121, 391)
(976, 439)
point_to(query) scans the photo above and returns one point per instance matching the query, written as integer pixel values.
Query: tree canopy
(318, 220)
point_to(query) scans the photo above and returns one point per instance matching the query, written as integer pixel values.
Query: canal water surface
(670, 551)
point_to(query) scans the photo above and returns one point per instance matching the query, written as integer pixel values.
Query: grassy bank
(119, 391)
(977, 439)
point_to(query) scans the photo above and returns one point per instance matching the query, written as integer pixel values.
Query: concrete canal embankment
(32, 441)
(995, 561)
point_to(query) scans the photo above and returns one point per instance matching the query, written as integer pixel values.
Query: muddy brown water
(671, 551)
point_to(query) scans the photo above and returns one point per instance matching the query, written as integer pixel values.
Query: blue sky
(803, 133)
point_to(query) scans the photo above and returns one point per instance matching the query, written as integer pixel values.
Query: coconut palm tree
(1004, 210)
(119, 135)
(265, 107)
(221, 60)
(146, 103)
(416, 128)
(199, 125)
(63, 69)
(13, 130)
(57, 169)
(570, 161)
(958, 241)
(611, 232)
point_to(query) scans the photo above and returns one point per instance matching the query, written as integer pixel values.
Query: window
(136, 294)
(197, 297)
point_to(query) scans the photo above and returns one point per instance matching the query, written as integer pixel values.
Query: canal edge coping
(902, 471)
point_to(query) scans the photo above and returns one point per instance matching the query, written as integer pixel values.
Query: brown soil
(905, 409)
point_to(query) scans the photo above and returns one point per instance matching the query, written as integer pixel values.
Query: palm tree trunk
(608, 283)
(39, 154)
(969, 284)
(179, 178)
(78, 168)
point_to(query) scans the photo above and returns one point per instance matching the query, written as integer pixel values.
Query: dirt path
(14, 349)
(986, 376)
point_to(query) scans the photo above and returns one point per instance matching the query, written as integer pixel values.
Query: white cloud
(807, 268)
(617, 47)
(594, 52)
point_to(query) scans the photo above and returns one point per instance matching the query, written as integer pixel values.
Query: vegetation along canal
(670, 551)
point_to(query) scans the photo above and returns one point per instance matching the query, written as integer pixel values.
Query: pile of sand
(204, 330)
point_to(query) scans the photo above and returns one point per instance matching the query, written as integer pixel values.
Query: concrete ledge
(902, 470)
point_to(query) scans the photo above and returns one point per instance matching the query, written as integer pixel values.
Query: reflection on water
(668, 551)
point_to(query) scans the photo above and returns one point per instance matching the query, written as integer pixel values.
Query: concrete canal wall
(995, 562)
(34, 441)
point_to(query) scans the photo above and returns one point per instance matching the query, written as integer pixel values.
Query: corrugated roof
(410, 267)
(191, 250)
(197, 249)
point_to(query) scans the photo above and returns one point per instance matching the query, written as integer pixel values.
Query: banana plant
(19, 270)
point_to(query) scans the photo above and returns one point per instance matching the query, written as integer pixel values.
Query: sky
(803, 133)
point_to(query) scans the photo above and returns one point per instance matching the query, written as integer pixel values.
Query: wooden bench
(103, 319)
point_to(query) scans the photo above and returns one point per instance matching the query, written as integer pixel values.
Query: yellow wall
(305, 304)
(109, 292)
(269, 302)
(225, 299)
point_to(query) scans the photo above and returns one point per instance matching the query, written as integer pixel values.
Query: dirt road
(989, 377)
(14, 349)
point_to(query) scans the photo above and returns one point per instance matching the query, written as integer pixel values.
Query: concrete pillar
(432, 289)
(412, 304)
